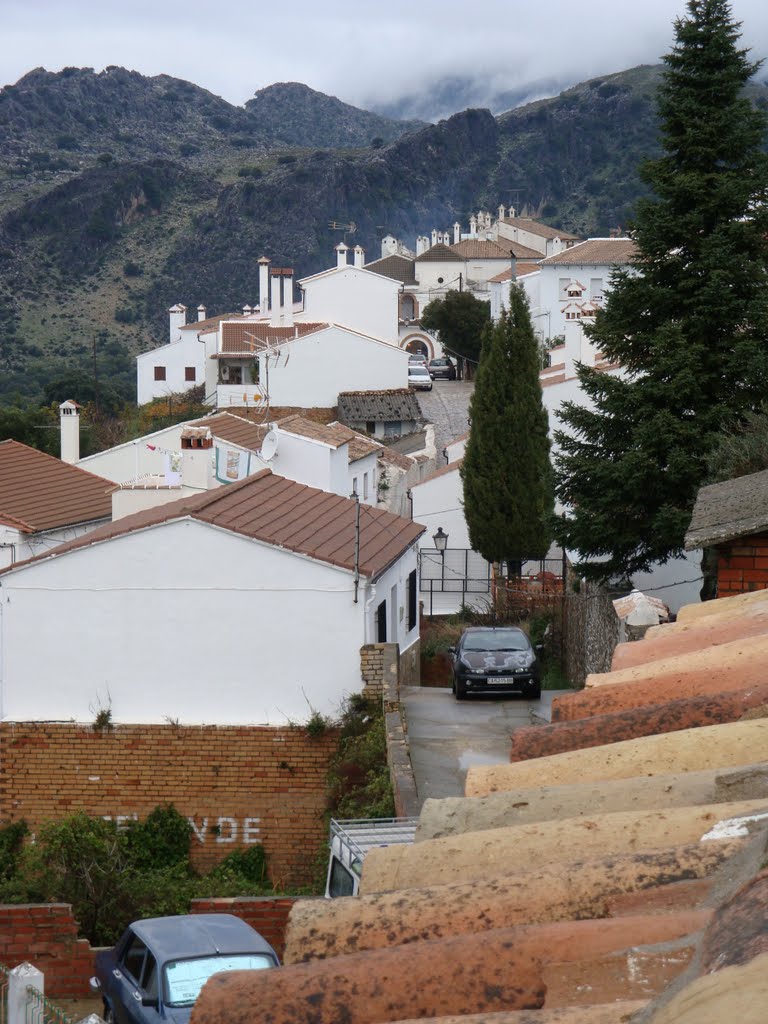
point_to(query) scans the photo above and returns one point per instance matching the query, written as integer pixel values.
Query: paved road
(447, 406)
(447, 736)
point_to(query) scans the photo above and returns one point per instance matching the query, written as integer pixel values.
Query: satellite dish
(268, 446)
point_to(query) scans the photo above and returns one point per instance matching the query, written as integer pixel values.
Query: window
(159, 373)
(370, 426)
(365, 485)
(412, 606)
(190, 373)
(354, 485)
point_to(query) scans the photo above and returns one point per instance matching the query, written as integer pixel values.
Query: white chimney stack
(247, 310)
(422, 244)
(502, 212)
(473, 226)
(434, 236)
(201, 313)
(359, 256)
(263, 284)
(456, 232)
(274, 286)
(177, 316)
(341, 254)
(69, 423)
(288, 298)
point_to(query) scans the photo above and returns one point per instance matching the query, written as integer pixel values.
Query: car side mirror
(94, 984)
(539, 649)
(451, 650)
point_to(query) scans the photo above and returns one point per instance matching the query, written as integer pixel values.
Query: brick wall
(239, 785)
(269, 916)
(45, 935)
(742, 565)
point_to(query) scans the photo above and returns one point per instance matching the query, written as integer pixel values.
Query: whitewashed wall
(16, 546)
(357, 298)
(174, 357)
(392, 583)
(333, 360)
(182, 621)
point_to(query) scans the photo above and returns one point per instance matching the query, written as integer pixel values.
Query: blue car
(157, 969)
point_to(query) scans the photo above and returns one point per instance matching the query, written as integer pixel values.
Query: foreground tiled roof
(399, 268)
(399, 404)
(209, 322)
(733, 508)
(277, 511)
(639, 872)
(595, 251)
(537, 228)
(40, 492)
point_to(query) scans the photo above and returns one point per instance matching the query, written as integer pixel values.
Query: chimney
(502, 212)
(341, 254)
(263, 284)
(434, 236)
(473, 226)
(201, 313)
(456, 232)
(69, 425)
(274, 284)
(177, 316)
(247, 310)
(359, 256)
(422, 244)
(196, 469)
(288, 297)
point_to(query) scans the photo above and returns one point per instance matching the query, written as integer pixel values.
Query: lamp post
(440, 539)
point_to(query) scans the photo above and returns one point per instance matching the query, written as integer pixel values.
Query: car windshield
(419, 371)
(498, 640)
(185, 978)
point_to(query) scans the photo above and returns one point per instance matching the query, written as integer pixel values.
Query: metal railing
(22, 1000)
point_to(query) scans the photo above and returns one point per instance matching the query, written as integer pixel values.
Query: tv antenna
(348, 229)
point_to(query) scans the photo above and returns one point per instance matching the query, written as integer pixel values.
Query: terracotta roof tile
(520, 270)
(537, 228)
(247, 336)
(481, 249)
(40, 492)
(281, 512)
(595, 251)
(226, 427)
(439, 252)
(399, 268)
(209, 322)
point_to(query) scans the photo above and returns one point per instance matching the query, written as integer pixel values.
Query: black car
(495, 659)
(442, 369)
(156, 970)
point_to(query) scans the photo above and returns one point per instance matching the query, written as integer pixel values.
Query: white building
(246, 604)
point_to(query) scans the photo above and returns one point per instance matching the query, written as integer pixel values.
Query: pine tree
(508, 497)
(689, 323)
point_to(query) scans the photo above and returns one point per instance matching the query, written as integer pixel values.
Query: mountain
(93, 253)
(296, 115)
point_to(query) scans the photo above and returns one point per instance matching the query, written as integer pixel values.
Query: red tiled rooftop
(281, 512)
(40, 492)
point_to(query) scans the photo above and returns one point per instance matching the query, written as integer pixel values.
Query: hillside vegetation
(121, 195)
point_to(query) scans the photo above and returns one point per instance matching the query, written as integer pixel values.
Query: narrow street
(447, 406)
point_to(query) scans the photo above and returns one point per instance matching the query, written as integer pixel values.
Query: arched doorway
(418, 345)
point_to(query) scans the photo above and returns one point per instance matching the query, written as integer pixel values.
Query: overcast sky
(360, 51)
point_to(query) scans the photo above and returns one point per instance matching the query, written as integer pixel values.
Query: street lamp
(441, 541)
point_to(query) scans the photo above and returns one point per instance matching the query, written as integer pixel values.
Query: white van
(351, 839)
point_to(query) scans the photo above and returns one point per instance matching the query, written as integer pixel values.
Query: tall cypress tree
(508, 498)
(689, 323)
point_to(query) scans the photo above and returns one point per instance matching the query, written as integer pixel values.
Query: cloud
(362, 53)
